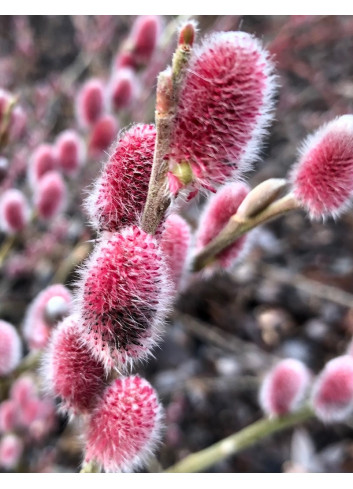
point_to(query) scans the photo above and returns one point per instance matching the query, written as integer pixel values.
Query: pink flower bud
(322, 179)
(52, 303)
(28, 412)
(70, 152)
(11, 448)
(224, 106)
(124, 428)
(102, 135)
(187, 33)
(17, 124)
(124, 59)
(10, 348)
(70, 370)
(45, 420)
(120, 193)
(14, 211)
(90, 102)
(123, 297)
(50, 196)
(332, 397)
(284, 388)
(214, 218)
(144, 37)
(122, 88)
(22, 390)
(175, 242)
(43, 160)
(8, 415)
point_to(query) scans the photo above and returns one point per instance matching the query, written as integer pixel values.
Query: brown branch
(236, 227)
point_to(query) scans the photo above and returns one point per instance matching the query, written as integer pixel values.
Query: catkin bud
(261, 197)
(14, 211)
(122, 88)
(10, 348)
(8, 416)
(70, 370)
(332, 396)
(22, 390)
(144, 37)
(225, 104)
(70, 152)
(11, 447)
(175, 241)
(90, 102)
(187, 33)
(219, 209)
(52, 303)
(120, 193)
(322, 179)
(102, 135)
(125, 426)
(284, 388)
(50, 196)
(123, 297)
(42, 161)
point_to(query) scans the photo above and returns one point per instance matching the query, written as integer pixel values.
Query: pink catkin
(284, 387)
(225, 105)
(45, 421)
(10, 348)
(90, 102)
(120, 193)
(332, 396)
(50, 196)
(122, 88)
(14, 211)
(34, 415)
(322, 179)
(124, 59)
(123, 297)
(11, 447)
(22, 390)
(144, 37)
(70, 152)
(125, 426)
(71, 371)
(175, 242)
(8, 416)
(216, 215)
(36, 326)
(42, 161)
(18, 124)
(102, 135)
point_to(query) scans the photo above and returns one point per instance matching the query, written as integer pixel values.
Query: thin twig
(239, 441)
(236, 227)
(6, 247)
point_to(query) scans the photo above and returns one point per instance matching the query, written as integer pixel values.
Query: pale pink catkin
(125, 426)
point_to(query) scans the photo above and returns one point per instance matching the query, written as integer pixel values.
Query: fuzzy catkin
(120, 193)
(123, 297)
(225, 105)
(125, 426)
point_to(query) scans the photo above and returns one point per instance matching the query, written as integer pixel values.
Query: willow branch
(239, 441)
(6, 247)
(236, 227)
(168, 87)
